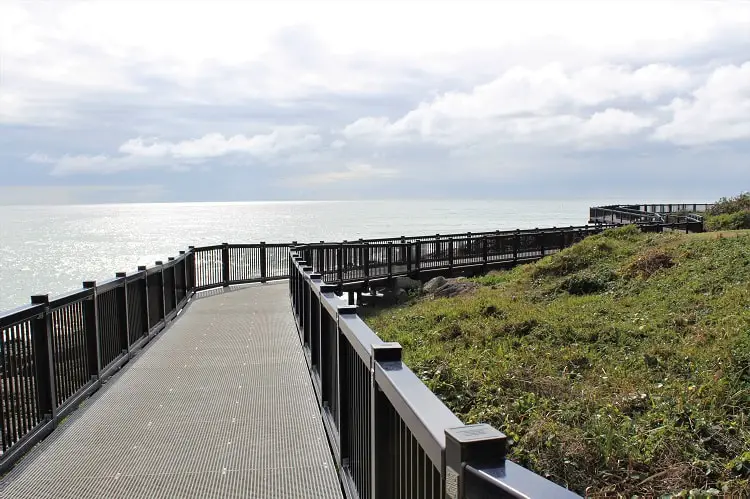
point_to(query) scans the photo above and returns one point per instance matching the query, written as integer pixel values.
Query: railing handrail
(453, 235)
(441, 438)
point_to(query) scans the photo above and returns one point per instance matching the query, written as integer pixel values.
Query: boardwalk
(220, 405)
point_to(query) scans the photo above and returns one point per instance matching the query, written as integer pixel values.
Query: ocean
(52, 249)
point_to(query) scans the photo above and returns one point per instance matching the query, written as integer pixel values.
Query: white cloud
(281, 51)
(356, 171)
(481, 88)
(99, 164)
(546, 105)
(11, 107)
(719, 110)
(280, 140)
(366, 127)
(614, 122)
(137, 154)
(542, 90)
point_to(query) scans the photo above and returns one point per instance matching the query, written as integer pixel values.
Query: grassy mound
(620, 365)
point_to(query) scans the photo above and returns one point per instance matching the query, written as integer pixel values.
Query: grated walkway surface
(219, 405)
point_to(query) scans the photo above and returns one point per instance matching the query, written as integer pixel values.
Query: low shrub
(729, 221)
(725, 206)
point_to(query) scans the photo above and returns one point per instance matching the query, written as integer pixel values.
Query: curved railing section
(390, 435)
(354, 265)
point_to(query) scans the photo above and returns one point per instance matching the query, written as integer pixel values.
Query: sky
(179, 100)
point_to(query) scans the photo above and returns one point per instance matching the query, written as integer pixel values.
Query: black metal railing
(55, 352)
(391, 436)
(652, 214)
(230, 264)
(368, 261)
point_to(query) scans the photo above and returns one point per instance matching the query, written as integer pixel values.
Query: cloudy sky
(247, 100)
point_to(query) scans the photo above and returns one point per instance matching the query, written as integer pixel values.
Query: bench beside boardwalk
(220, 405)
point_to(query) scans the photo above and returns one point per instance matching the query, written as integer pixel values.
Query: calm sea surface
(52, 249)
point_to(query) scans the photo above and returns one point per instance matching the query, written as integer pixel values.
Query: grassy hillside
(621, 364)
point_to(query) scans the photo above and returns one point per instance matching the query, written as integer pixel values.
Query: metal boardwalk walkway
(220, 405)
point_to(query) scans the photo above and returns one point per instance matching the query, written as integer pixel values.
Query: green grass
(620, 365)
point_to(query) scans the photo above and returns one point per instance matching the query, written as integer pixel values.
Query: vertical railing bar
(41, 327)
(4, 425)
(62, 353)
(159, 278)
(225, 264)
(92, 332)
(16, 385)
(29, 373)
(30, 395)
(122, 305)
(146, 315)
(17, 389)
(263, 263)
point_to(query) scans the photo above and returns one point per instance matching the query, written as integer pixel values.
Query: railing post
(366, 261)
(263, 255)
(342, 382)
(516, 245)
(225, 264)
(190, 271)
(418, 256)
(174, 285)
(485, 254)
(541, 241)
(307, 293)
(438, 255)
(407, 253)
(160, 264)
(380, 437)
(321, 260)
(41, 327)
(389, 259)
(122, 311)
(91, 329)
(360, 253)
(478, 445)
(146, 315)
(340, 263)
(450, 253)
(185, 261)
